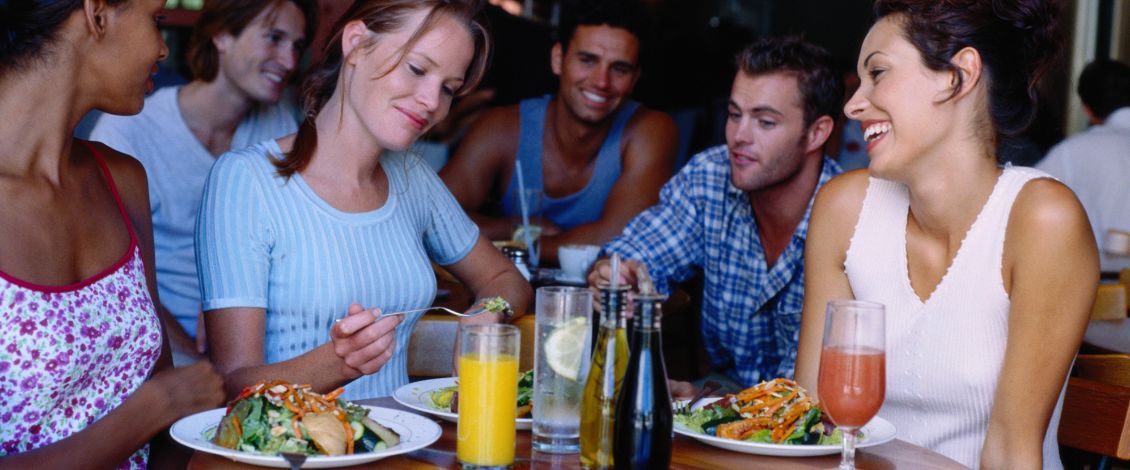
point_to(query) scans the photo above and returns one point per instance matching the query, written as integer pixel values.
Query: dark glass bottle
(606, 375)
(643, 427)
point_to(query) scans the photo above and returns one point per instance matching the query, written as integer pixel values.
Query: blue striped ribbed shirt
(266, 242)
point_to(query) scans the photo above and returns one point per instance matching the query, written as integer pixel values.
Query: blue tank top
(585, 205)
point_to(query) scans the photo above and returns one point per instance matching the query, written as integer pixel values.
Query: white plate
(415, 396)
(416, 432)
(875, 432)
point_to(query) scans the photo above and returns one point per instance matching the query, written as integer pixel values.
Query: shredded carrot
(775, 405)
(334, 394)
(300, 400)
(294, 426)
(348, 437)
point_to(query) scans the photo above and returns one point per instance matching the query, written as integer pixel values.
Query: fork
(707, 388)
(472, 313)
(294, 459)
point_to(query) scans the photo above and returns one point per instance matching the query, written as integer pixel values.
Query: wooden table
(686, 454)
(1108, 336)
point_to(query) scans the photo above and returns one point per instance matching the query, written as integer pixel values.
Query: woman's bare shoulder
(129, 177)
(1048, 227)
(1045, 204)
(841, 198)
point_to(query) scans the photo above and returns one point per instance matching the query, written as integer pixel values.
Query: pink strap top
(69, 354)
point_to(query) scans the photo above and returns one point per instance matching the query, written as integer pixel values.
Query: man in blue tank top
(598, 157)
(739, 213)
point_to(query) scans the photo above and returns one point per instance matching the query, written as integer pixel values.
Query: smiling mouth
(875, 131)
(416, 121)
(275, 78)
(595, 98)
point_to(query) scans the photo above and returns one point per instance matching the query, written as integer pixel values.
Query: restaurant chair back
(1110, 302)
(1105, 368)
(1096, 413)
(432, 345)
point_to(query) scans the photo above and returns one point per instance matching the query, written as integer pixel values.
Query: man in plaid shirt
(739, 212)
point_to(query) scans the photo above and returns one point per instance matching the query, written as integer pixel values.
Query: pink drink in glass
(852, 384)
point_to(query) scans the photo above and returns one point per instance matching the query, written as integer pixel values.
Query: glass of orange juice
(488, 370)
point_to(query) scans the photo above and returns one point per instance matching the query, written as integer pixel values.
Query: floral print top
(71, 354)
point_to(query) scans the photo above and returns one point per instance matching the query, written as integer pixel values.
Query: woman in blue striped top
(303, 241)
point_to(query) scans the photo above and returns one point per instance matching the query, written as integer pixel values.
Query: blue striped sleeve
(233, 236)
(450, 234)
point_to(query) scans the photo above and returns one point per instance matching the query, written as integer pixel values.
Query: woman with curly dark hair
(85, 369)
(990, 284)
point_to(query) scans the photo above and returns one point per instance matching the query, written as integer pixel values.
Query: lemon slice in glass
(565, 346)
(519, 235)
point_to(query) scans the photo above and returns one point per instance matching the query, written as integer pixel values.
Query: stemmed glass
(853, 368)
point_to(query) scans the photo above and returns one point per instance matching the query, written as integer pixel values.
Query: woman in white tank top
(987, 273)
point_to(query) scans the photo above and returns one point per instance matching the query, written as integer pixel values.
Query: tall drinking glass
(853, 368)
(563, 336)
(527, 230)
(488, 370)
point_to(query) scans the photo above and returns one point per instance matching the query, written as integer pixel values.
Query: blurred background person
(1096, 163)
(598, 157)
(84, 367)
(739, 213)
(241, 53)
(987, 273)
(315, 234)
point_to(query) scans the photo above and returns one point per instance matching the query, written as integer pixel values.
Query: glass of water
(563, 337)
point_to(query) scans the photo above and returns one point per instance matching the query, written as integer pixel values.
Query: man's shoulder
(497, 124)
(650, 120)
(707, 172)
(1096, 143)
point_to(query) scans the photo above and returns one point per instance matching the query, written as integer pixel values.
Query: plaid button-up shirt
(750, 313)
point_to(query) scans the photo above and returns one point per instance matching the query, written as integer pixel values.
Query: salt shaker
(520, 258)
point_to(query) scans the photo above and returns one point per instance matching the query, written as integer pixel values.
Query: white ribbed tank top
(944, 356)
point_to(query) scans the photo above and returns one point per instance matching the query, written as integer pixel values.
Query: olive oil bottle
(609, 361)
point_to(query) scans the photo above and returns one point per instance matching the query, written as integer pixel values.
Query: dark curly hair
(1017, 41)
(820, 86)
(28, 29)
(232, 16)
(1104, 86)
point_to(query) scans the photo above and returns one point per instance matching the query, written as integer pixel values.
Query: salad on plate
(275, 416)
(773, 412)
(447, 398)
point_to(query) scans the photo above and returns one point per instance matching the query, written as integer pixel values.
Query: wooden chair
(1106, 368)
(1096, 408)
(1110, 301)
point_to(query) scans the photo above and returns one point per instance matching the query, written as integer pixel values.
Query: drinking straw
(615, 270)
(525, 213)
